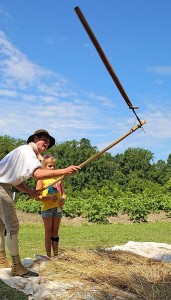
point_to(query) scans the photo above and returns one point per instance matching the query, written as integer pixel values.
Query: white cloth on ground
(41, 288)
(158, 251)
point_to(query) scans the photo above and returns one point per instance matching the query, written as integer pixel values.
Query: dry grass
(106, 275)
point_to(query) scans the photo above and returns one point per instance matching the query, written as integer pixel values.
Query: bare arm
(63, 195)
(39, 185)
(41, 174)
(63, 191)
(22, 187)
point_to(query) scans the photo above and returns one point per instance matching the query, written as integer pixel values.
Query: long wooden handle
(112, 144)
(103, 56)
(102, 151)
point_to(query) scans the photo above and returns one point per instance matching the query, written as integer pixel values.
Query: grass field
(79, 240)
(93, 236)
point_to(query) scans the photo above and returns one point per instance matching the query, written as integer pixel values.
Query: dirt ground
(120, 219)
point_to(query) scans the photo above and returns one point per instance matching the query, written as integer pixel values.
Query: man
(17, 166)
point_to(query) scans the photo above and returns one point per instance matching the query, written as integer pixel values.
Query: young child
(53, 199)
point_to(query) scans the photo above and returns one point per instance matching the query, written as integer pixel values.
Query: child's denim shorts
(55, 212)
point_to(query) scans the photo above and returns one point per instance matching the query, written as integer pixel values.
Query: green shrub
(26, 204)
(73, 207)
(98, 207)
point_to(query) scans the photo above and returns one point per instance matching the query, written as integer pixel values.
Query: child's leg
(55, 235)
(48, 234)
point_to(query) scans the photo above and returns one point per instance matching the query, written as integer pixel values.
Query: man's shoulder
(24, 148)
(23, 151)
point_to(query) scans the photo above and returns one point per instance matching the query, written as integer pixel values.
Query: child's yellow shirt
(54, 190)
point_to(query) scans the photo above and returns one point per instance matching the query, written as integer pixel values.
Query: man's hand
(34, 193)
(71, 170)
(28, 190)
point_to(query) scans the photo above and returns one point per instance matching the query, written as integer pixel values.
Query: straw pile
(110, 275)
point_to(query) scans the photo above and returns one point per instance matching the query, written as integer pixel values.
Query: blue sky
(53, 78)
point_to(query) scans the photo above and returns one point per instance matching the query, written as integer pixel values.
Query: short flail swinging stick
(119, 86)
(105, 61)
(83, 164)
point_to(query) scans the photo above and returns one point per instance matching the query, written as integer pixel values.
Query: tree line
(134, 171)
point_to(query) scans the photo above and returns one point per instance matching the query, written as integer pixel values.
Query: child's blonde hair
(48, 158)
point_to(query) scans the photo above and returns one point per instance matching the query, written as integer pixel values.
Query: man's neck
(35, 149)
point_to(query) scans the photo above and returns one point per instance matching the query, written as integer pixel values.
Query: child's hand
(62, 202)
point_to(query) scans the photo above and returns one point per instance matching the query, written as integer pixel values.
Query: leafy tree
(136, 159)
(8, 144)
(169, 160)
(160, 172)
(167, 185)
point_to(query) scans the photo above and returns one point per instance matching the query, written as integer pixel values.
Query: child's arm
(39, 184)
(63, 195)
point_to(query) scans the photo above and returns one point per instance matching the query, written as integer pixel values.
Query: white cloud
(160, 70)
(16, 66)
(7, 93)
(158, 81)
(101, 99)
(4, 13)
(49, 40)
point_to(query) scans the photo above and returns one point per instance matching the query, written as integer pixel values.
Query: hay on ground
(109, 274)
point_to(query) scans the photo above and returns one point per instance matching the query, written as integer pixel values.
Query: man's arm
(41, 174)
(22, 187)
